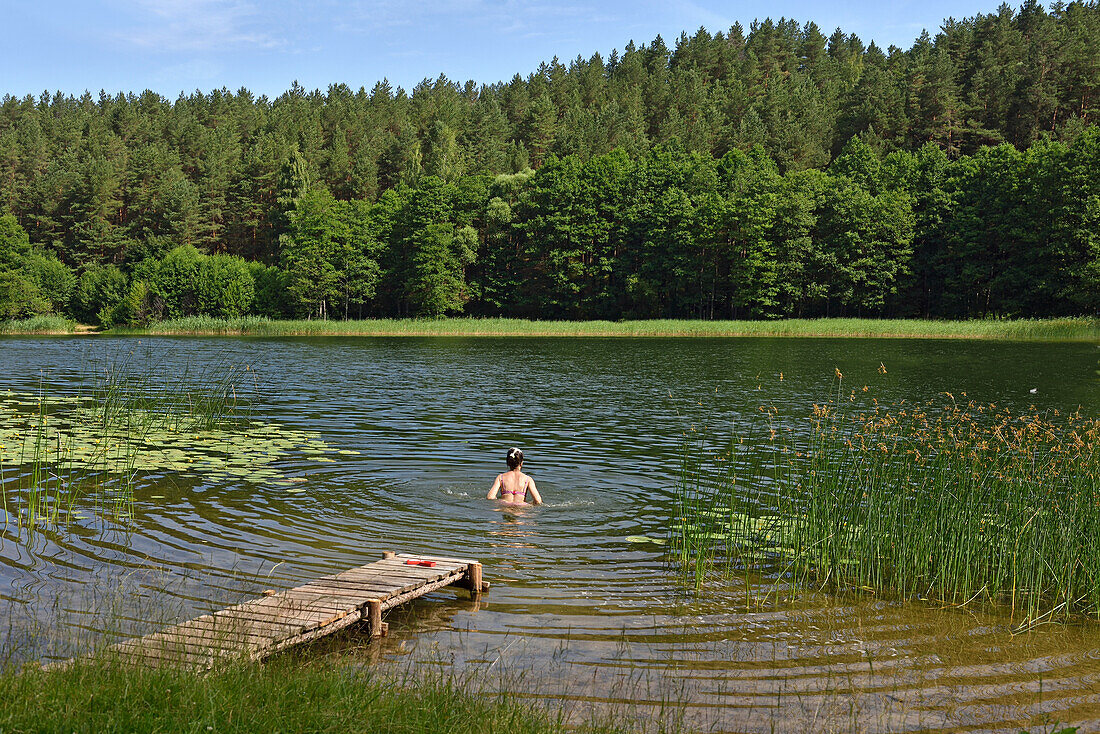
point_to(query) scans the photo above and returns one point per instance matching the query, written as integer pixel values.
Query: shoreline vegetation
(955, 503)
(1067, 329)
(41, 325)
(105, 695)
(761, 172)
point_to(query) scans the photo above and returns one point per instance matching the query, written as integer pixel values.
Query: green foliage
(226, 287)
(135, 309)
(54, 279)
(20, 298)
(15, 246)
(308, 249)
(436, 287)
(38, 325)
(98, 293)
(1064, 330)
(766, 174)
(269, 287)
(175, 281)
(284, 695)
(926, 501)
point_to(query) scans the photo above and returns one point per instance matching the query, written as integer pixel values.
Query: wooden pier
(255, 629)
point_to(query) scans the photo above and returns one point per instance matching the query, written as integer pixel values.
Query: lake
(416, 429)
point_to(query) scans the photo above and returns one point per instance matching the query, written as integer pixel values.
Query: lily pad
(645, 539)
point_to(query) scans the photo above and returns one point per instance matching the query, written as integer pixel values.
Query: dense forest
(760, 174)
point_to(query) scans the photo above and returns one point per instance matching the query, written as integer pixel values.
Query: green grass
(278, 696)
(38, 325)
(1077, 329)
(958, 504)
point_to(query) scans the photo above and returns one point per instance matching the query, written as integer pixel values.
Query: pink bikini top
(515, 491)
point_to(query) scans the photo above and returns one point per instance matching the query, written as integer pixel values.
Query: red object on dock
(417, 562)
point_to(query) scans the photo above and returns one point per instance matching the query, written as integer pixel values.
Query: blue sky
(173, 46)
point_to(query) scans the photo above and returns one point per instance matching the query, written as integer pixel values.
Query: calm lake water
(576, 612)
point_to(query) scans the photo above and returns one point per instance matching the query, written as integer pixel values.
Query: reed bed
(56, 451)
(958, 503)
(39, 325)
(1079, 329)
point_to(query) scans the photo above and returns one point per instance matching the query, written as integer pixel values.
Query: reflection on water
(515, 528)
(576, 610)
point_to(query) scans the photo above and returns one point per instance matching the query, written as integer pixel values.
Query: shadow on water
(415, 429)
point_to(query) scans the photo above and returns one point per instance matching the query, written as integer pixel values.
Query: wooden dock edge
(180, 645)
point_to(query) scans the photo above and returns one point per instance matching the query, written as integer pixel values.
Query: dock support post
(374, 617)
(473, 580)
(388, 554)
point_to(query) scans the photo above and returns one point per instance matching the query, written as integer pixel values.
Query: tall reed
(120, 406)
(1069, 329)
(38, 325)
(957, 503)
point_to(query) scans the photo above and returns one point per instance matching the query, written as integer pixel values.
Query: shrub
(14, 244)
(54, 279)
(98, 293)
(225, 286)
(136, 309)
(176, 280)
(20, 298)
(270, 289)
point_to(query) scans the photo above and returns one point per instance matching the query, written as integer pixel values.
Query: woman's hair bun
(515, 457)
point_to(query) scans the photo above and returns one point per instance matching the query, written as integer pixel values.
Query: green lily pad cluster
(765, 539)
(749, 538)
(69, 435)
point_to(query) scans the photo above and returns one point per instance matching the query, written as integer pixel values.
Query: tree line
(754, 174)
(673, 233)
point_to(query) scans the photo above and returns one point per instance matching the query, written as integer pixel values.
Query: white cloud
(500, 16)
(196, 25)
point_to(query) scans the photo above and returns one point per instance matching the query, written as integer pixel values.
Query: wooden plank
(190, 641)
(399, 563)
(400, 599)
(293, 601)
(368, 590)
(388, 579)
(226, 618)
(307, 602)
(396, 576)
(397, 567)
(440, 559)
(344, 605)
(241, 628)
(328, 629)
(257, 628)
(368, 586)
(339, 598)
(296, 622)
(292, 624)
(156, 655)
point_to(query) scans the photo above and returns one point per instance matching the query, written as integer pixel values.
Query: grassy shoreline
(41, 326)
(1070, 329)
(279, 696)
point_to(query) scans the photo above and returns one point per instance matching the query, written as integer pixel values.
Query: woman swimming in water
(513, 485)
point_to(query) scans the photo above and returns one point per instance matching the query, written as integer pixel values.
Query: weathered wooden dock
(255, 629)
